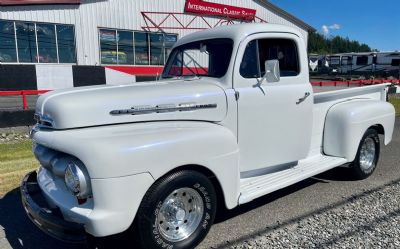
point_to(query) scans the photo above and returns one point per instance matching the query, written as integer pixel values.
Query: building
(53, 44)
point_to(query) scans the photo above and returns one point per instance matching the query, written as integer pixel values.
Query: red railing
(161, 20)
(23, 95)
(353, 82)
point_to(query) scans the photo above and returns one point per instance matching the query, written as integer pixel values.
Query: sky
(376, 23)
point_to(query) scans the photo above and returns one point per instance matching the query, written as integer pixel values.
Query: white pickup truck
(233, 118)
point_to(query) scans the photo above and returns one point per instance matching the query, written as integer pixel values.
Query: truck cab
(234, 116)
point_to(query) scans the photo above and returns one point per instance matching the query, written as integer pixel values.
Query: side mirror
(272, 72)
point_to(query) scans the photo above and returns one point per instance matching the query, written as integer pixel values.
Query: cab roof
(236, 32)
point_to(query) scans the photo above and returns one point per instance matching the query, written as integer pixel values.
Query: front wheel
(177, 211)
(367, 155)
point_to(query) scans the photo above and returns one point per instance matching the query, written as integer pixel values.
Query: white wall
(52, 77)
(119, 78)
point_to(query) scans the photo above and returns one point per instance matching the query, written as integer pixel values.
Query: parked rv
(375, 64)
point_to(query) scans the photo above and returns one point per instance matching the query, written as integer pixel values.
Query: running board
(254, 187)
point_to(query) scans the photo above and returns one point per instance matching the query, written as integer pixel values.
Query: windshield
(201, 58)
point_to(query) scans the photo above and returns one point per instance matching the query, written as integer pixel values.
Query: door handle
(306, 95)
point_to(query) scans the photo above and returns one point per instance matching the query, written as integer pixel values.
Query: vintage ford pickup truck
(232, 118)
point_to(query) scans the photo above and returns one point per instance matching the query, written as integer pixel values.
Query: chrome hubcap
(367, 154)
(180, 214)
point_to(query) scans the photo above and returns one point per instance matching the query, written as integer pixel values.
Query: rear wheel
(177, 211)
(367, 155)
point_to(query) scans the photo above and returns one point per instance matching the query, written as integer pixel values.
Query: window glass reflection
(46, 39)
(26, 42)
(8, 51)
(66, 43)
(125, 48)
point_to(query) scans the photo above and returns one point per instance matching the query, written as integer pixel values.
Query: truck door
(274, 119)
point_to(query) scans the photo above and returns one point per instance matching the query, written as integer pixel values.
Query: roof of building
(285, 15)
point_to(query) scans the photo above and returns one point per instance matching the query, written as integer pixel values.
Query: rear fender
(347, 122)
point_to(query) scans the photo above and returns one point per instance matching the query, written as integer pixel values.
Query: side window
(335, 60)
(395, 62)
(259, 51)
(249, 68)
(284, 50)
(362, 60)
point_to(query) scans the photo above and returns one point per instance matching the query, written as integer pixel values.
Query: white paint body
(254, 144)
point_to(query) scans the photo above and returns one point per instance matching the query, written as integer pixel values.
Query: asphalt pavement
(12, 103)
(266, 215)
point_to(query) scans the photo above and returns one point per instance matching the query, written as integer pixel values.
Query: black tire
(150, 234)
(359, 171)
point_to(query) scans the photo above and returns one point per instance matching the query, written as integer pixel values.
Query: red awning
(30, 2)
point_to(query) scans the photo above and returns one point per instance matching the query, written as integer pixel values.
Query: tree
(319, 44)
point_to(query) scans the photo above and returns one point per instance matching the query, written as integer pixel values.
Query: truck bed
(321, 89)
(324, 94)
(324, 100)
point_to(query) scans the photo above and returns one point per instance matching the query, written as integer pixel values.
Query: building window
(26, 41)
(29, 42)
(141, 48)
(8, 51)
(66, 43)
(156, 49)
(124, 47)
(46, 40)
(108, 44)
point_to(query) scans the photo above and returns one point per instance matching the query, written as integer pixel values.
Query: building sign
(214, 9)
(29, 2)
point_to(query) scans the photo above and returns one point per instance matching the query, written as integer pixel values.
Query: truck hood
(199, 99)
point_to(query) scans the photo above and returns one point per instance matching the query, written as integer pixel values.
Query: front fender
(156, 148)
(347, 122)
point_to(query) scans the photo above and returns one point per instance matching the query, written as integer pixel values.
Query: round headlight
(76, 181)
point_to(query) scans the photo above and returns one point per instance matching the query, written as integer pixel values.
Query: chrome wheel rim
(180, 214)
(367, 154)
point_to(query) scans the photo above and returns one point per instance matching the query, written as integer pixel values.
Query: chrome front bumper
(49, 220)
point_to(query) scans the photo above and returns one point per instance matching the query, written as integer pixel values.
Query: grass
(16, 159)
(396, 103)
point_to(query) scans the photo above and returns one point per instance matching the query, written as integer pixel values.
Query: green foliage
(396, 103)
(319, 44)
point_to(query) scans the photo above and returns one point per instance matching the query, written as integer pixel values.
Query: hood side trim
(139, 110)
